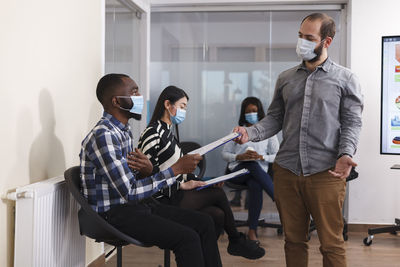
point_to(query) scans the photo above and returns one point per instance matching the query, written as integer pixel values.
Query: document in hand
(224, 178)
(207, 148)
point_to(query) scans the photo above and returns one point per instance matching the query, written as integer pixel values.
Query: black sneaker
(246, 248)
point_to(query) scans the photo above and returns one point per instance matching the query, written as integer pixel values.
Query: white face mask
(305, 49)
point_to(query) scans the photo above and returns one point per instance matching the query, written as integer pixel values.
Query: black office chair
(94, 226)
(261, 221)
(187, 147)
(393, 229)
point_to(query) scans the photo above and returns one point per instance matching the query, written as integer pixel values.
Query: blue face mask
(179, 117)
(137, 106)
(251, 118)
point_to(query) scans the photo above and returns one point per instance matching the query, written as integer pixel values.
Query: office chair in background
(190, 146)
(393, 229)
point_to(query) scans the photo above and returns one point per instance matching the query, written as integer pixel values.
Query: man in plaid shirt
(122, 196)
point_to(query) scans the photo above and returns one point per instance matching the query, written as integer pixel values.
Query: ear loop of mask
(127, 109)
(137, 104)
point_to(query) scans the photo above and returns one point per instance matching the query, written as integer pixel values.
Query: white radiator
(46, 226)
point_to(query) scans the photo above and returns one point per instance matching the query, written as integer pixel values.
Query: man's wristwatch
(342, 154)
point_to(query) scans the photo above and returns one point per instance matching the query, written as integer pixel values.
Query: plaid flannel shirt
(106, 178)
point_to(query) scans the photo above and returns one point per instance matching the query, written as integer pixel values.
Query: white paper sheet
(207, 148)
(224, 178)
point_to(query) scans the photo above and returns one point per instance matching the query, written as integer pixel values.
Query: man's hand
(244, 137)
(192, 184)
(139, 162)
(343, 167)
(186, 164)
(249, 155)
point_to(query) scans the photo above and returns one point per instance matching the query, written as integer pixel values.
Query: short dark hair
(251, 100)
(107, 84)
(170, 93)
(328, 27)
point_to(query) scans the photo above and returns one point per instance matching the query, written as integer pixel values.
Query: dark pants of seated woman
(212, 201)
(257, 181)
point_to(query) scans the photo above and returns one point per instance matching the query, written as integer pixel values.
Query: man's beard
(318, 52)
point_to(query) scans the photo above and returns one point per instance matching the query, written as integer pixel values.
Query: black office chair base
(279, 229)
(167, 256)
(261, 223)
(393, 229)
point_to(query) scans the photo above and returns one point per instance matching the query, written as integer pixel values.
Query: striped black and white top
(160, 145)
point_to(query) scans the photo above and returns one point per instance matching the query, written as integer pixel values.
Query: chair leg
(119, 256)
(345, 229)
(167, 258)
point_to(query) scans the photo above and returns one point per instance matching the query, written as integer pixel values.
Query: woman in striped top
(162, 148)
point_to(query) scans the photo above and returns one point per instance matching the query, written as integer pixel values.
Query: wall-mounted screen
(390, 104)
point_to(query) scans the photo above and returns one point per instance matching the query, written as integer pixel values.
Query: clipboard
(211, 146)
(223, 178)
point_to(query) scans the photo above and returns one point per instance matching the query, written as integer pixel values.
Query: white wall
(374, 197)
(50, 61)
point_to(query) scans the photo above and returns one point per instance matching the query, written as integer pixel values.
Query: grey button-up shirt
(319, 114)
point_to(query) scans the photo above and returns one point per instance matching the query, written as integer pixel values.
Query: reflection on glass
(220, 58)
(122, 45)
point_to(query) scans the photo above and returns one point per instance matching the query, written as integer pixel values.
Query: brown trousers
(320, 195)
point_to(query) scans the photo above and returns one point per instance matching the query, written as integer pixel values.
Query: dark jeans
(189, 234)
(210, 200)
(213, 201)
(257, 181)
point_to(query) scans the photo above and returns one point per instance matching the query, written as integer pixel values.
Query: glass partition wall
(122, 39)
(123, 47)
(220, 58)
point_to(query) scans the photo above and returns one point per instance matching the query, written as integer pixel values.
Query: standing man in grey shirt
(318, 106)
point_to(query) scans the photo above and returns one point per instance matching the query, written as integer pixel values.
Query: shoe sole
(250, 258)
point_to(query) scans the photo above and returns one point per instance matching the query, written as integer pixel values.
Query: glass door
(126, 47)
